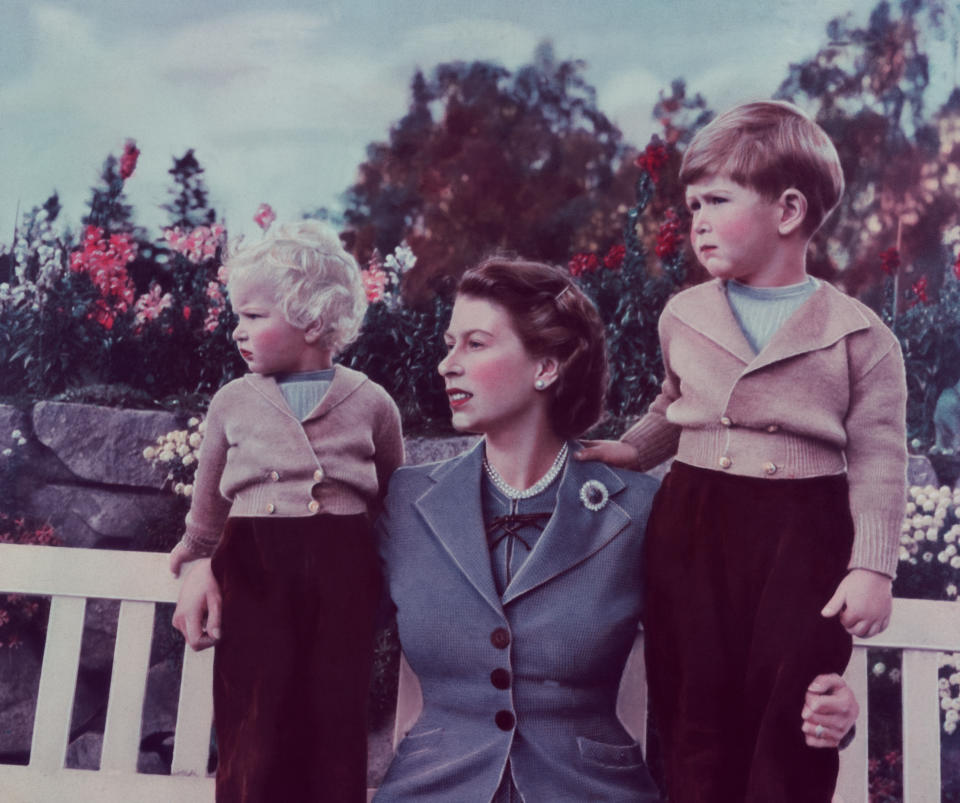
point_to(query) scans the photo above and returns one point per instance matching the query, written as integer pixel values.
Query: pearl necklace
(513, 493)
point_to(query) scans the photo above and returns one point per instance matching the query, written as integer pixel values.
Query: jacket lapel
(827, 318)
(267, 387)
(574, 532)
(705, 309)
(452, 509)
(345, 382)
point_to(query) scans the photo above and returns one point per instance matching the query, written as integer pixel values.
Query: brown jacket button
(500, 678)
(505, 720)
(500, 638)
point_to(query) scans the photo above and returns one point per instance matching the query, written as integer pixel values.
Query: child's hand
(829, 711)
(864, 601)
(613, 453)
(197, 615)
(179, 555)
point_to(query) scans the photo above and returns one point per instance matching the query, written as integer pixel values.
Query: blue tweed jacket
(531, 677)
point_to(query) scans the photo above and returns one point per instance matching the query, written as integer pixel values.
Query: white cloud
(628, 98)
(466, 40)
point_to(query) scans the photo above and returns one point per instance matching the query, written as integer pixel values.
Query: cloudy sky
(279, 99)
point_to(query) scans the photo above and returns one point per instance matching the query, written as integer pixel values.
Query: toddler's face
(267, 341)
(734, 230)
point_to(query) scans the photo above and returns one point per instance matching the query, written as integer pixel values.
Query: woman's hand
(830, 709)
(197, 615)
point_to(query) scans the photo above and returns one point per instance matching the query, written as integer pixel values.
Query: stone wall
(81, 468)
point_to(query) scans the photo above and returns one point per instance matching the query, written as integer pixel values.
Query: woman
(515, 571)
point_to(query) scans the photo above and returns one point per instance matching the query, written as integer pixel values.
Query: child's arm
(388, 443)
(876, 454)
(864, 602)
(652, 439)
(208, 509)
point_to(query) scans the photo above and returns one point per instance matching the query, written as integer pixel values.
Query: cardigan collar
(828, 316)
(345, 382)
(452, 509)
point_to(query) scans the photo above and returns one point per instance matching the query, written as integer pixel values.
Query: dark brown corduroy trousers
(292, 669)
(738, 569)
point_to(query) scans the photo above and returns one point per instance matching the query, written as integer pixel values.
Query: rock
(160, 706)
(427, 450)
(102, 444)
(99, 634)
(84, 752)
(920, 471)
(19, 681)
(87, 516)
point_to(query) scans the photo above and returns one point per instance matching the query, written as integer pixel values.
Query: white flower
(879, 668)
(196, 439)
(929, 506)
(188, 459)
(183, 450)
(932, 534)
(895, 675)
(193, 422)
(955, 562)
(927, 557)
(951, 590)
(7, 452)
(188, 489)
(16, 434)
(149, 453)
(911, 508)
(949, 727)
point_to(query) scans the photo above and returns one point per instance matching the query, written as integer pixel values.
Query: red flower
(583, 263)
(264, 216)
(653, 158)
(186, 313)
(128, 160)
(920, 290)
(615, 256)
(670, 237)
(956, 268)
(890, 261)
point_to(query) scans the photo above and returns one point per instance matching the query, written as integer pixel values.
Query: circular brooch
(594, 495)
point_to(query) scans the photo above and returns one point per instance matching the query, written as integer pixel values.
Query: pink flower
(264, 216)
(583, 263)
(956, 268)
(374, 281)
(128, 160)
(149, 306)
(670, 237)
(104, 262)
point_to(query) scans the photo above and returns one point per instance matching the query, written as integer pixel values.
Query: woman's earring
(539, 384)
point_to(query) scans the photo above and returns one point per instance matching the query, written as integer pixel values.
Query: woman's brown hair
(554, 318)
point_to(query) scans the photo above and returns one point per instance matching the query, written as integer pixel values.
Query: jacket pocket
(624, 756)
(414, 743)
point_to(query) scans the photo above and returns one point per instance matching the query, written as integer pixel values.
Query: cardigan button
(726, 421)
(313, 506)
(500, 678)
(773, 428)
(275, 476)
(725, 462)
(500, 638)
(505, 720)
(271, 508)
(769, 468)
(318, 474)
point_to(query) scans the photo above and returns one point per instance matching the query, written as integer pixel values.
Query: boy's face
(734, 231)
(267, 341)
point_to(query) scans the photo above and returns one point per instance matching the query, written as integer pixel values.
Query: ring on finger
(818, 731)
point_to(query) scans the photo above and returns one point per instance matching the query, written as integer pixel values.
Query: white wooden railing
(140, 579)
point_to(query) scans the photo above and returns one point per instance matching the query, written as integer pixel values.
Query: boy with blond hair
(775, 533)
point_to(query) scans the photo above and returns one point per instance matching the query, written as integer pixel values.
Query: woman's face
(488, 372)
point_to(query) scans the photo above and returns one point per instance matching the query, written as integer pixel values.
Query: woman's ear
(792, 210)
(548, 371)
(313, 333)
